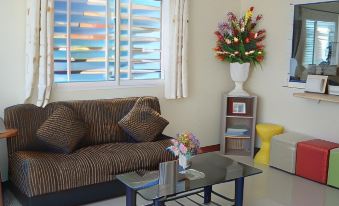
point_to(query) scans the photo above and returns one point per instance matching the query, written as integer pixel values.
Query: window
(320, 42)
(107, 40)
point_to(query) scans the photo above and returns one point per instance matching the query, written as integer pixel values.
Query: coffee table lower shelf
(131, 195)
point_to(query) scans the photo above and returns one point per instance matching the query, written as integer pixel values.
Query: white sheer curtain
(174, 47)
(39, 51)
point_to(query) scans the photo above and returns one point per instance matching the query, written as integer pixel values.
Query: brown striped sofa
(40, 177)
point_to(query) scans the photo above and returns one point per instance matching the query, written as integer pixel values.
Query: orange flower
(217, 49)
(220, 57)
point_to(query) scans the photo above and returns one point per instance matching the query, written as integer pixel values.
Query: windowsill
(107, 85)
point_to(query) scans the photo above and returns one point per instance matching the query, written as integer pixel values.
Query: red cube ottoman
(313, 158)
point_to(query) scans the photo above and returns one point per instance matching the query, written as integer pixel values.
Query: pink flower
(175, 142)
(174, 150)
(183, 149)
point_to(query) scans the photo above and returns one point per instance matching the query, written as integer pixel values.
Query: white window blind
(107, 40)
(320, 39)
(309, 44)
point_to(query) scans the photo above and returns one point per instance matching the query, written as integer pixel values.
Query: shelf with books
(238, 125)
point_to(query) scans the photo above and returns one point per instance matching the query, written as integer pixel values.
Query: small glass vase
(184, 161)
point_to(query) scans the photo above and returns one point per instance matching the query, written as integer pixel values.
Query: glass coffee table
(206, 170)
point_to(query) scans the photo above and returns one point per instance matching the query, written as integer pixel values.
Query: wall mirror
(315, 47)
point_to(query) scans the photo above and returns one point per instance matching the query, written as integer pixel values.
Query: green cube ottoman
(333, 170)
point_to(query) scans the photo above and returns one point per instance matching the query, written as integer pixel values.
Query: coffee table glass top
(206, 170)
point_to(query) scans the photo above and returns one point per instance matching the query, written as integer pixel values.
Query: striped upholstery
(104, 154)
(102, 117)
(143, 123)
(37, 173)
(62, 130)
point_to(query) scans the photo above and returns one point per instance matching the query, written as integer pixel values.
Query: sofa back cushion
(143, 123)
(101, 116)
(63, 130)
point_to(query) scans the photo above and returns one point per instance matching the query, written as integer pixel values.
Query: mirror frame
(293, 3)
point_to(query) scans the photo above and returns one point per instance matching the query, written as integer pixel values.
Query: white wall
(12, 56)
(276, 103)
(208, 78)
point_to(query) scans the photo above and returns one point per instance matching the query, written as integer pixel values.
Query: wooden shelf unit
(238, 145)
(318, 97)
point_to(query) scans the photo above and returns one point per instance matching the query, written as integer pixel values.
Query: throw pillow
(143, 123)
(62, 130)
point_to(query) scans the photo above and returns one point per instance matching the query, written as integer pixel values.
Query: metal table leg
(239, 191)
(131, 197)
(207, 194)
(158, 203)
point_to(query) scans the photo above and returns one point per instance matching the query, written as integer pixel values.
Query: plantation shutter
(320, 35)
(309, 44)
(88, 53)
(140, 38)
(89, 46)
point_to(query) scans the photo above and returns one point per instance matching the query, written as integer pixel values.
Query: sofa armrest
(26, 118)
(9, 133)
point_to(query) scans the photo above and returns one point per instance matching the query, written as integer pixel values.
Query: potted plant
(240, 44)
(185, 146)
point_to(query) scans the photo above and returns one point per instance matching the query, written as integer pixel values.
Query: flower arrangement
(185, 144)
(238, 41)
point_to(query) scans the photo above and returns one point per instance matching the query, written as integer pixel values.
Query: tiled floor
(272, 188)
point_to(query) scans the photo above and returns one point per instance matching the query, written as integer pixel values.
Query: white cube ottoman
(283, 150)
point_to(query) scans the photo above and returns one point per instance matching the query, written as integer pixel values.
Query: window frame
(315, 36)
(118, 82)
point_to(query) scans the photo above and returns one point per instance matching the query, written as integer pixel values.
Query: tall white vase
(239, 74)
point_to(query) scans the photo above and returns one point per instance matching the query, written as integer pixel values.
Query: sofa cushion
(37, 173)
(143, 123)
(62, 130)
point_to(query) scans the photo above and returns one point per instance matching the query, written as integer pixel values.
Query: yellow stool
(265, 133)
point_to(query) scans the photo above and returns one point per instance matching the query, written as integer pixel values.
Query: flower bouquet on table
(185, 145)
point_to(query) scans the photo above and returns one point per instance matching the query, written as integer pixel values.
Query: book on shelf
(237, 137)
(237, 130)
(237, 134)
(235, 145)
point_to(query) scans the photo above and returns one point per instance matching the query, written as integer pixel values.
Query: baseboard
(211, 148)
